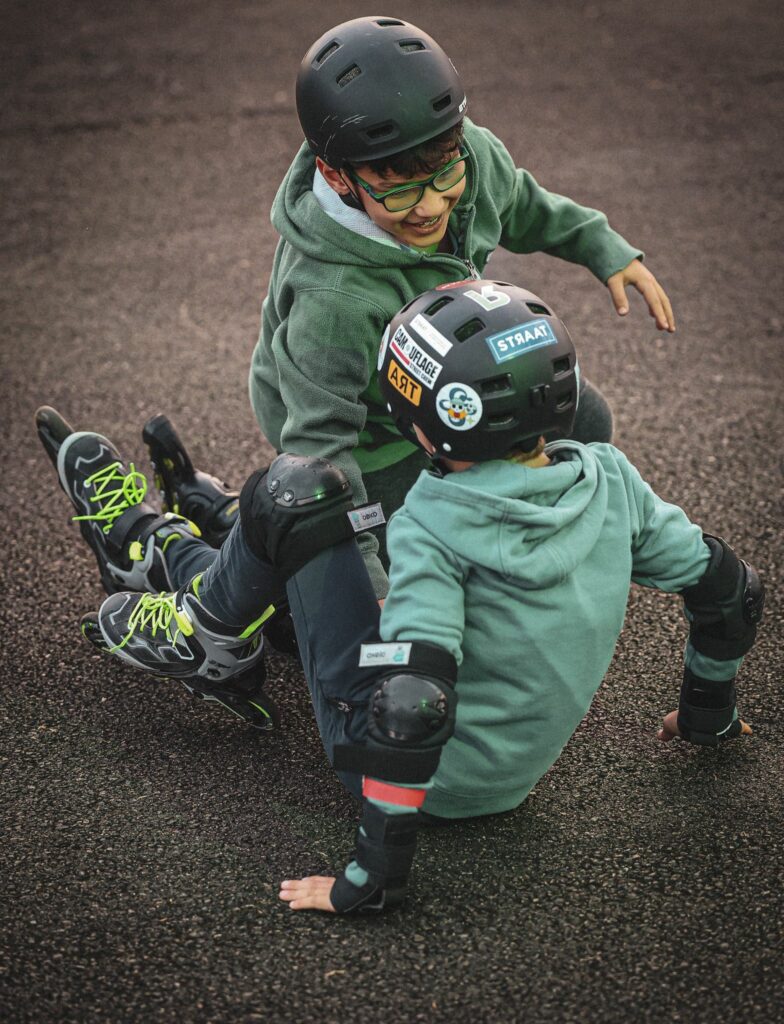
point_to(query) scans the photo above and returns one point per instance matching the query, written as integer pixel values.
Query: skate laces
(154, 613)
(115, 492)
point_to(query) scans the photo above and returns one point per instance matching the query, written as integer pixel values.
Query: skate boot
(173, 635)
(203, 499)
(128, 537)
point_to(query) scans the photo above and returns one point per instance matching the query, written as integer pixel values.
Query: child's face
(422, 225)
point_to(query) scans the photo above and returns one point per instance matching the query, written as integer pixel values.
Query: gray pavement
(143, 835)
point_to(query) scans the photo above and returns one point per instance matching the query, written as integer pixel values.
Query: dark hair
(424, 159)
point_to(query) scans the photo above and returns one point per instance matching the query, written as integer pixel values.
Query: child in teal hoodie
(514, 560)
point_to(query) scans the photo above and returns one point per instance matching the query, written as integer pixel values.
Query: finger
(650, 292)
(669, 728)
(667, 308)
(318, 902)
(618, 294)
(745, 729)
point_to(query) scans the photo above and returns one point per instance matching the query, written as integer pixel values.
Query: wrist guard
(706, 713)
(385, 847)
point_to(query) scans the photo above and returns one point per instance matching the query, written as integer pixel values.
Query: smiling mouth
(431, 222)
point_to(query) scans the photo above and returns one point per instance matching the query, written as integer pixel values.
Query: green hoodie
(523, 575)
(313, 379)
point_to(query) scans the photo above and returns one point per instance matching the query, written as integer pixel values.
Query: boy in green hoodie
(511, 566)
(395, 192)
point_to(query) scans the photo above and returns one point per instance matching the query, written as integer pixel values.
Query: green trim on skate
(258, 707)
(255, 625)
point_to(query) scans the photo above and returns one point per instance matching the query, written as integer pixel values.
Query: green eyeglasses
(403, 197)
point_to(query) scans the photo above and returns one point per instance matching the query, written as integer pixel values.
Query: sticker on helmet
(382, 351)
(488, 298)
(521, 339)
(434, 338)
(459, 406)
(401, 382)
(453, 284)
(416, 361)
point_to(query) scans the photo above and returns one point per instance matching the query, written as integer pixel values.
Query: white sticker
(366, 517)
(488, 298)
(459, 406)
(384, 654)
(415, 360)
(383, 349)
(434, 338)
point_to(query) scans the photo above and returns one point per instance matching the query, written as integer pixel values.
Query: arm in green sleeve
(535, 220)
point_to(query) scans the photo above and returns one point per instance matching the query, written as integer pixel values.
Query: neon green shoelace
(114, 493)
(155, 612)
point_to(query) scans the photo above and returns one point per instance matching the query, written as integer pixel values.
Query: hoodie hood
(544, 522)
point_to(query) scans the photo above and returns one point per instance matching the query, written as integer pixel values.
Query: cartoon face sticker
(459, 406)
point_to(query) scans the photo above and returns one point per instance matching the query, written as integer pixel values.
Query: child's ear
(332, 177)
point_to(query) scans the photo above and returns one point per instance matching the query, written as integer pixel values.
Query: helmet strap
(349, 198)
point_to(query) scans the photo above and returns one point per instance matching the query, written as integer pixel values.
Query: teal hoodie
(523, 575)
(313, 378)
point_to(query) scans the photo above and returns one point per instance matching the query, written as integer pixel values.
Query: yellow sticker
(401, 381)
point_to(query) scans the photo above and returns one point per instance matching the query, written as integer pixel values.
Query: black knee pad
(293, 509)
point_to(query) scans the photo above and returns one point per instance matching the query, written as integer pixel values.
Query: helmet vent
(412, 46)
(566, 402)
(501, 422)
(438, 304)
(561, 366)
(468, 329)
(380, 131)
(443, 102)
(349, 75)
(497, 385)
(326, 52)
(388, 22)
(538, 309)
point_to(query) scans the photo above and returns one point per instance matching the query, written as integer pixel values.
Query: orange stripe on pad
(393, 794)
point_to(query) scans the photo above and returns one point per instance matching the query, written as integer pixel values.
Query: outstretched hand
(638, 275)
(669, 730)
(311, 893)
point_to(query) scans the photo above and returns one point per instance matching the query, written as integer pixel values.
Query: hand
(637, 274)
(311, 893)
(669, 729)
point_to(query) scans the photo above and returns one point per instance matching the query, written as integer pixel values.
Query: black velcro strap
(432, 661)
(393, 764)
(370, 898)
(386, 844)
(126, 526)
(706, 710)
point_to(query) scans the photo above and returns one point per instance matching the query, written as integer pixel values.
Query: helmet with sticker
(482, 368)
(375, 86)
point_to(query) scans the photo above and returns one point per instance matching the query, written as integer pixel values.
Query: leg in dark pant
(335, 610)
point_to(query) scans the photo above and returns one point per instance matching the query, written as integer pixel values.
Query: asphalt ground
(144, 836)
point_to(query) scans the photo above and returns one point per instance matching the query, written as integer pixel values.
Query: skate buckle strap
(113, 493)
(155, 612)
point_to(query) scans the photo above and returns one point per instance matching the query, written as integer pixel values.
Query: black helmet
(372, 87)
(481, 367)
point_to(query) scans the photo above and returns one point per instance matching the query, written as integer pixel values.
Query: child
(396, 192)
(508, 547)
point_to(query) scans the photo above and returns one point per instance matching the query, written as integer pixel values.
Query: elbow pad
(411, 715)
(725, 606)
